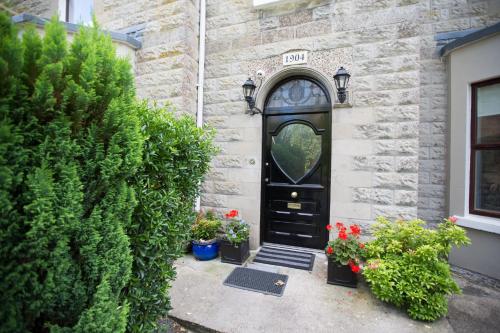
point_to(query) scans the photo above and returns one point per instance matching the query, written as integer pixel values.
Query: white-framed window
(484, 184)
(474, 146)
(76, 11)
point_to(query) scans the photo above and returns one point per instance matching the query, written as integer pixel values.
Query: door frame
(328, 128)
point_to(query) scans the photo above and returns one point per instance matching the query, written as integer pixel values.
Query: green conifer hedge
(72, 144)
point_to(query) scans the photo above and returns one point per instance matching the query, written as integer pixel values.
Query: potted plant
(235, 247)
(344, 255)
(204, 231)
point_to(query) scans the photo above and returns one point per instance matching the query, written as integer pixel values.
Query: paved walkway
(309, 304)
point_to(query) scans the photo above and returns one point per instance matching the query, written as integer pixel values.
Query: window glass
(296, 150)
(485, 149)
(296, 93)
(80, 11)
(487, 182)
(488, 114)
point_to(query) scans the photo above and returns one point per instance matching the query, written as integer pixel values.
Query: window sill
(266, 3)
(483, 223)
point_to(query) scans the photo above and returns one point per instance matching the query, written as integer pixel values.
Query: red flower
(361, 245)
(453, 219)
(329, 250)
(329, 227)
(355, 229)
(339, 225)
(231, 214)
(342, 235)
(355, 269)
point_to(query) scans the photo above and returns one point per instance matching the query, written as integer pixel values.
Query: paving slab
(476, 310)
(308, 304)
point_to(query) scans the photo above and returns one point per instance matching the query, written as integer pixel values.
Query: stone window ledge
(267, 3)
(342, 105)
(482, 223)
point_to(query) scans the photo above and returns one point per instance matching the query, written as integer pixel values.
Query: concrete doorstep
(201, 303)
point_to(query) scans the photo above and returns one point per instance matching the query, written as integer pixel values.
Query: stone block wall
(441, 16)
(166, 68)
(42, 8)
(389, 148)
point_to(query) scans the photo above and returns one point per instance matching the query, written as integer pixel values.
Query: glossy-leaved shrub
(408, 265)
(70, 145)
(176, 156)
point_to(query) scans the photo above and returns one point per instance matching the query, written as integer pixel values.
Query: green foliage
(77, 154)
(70, 144)
(209, 215)
(206, 227)
(408, 265)
(236, 229)
(176, 156)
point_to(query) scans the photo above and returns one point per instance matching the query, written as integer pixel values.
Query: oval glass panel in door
(296, 150)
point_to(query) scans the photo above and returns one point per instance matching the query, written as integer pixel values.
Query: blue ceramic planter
(205, 250)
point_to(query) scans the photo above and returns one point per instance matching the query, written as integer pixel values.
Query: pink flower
(453, 219)
(373, 265)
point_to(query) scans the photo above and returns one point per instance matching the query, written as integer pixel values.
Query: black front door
(296, 164)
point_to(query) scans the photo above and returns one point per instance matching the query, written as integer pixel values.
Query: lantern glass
(341, 78)
(248, 88)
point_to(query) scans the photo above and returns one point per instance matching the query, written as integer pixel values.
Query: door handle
(303, 236)
(294, 195)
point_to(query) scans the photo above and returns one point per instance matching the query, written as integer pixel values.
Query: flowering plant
(206, 227)
(408, 265)
(236, 230)
(346, 249)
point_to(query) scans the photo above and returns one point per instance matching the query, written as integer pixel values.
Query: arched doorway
(296, 149)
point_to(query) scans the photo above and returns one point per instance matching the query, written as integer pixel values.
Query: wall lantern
(341, 82)
(248, 92)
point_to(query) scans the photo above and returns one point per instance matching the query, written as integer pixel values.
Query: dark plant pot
(341, 275)
(189, 247)
(205, 250)
(234, 254)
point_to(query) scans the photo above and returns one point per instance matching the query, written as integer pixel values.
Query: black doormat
(288, 258)
(257, 280)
